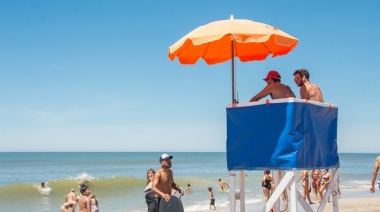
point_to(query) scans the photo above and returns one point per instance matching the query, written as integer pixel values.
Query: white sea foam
(84, 177)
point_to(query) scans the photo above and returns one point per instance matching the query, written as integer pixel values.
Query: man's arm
(303, 92)
(374, 174)
(176, 187)
(265, 92)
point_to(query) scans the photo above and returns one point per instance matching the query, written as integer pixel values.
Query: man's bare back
(311, 91)
(308, 90)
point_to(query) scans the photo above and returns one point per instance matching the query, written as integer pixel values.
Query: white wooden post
(242, 191)
(331, 189)
(334, 192)
(232, 192)
(276, 175)
(293, 193)
(278, 192)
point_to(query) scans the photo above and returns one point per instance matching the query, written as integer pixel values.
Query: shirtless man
(274, 88)
(163, 181)
(308, 90)
(316, 175)
(374, 174)
(223, 185)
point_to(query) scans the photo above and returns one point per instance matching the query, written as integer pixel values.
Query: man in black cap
(163, 181)
(274, 88)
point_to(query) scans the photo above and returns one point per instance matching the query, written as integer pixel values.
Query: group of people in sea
(86, 201)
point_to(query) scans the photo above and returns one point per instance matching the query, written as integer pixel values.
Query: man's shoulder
(159, 171)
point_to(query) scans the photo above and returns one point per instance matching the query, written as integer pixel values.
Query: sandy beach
(355, 201)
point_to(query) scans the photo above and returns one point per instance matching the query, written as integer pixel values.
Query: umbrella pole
(233, 70)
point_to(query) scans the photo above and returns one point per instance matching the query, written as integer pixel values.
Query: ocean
(119, 178)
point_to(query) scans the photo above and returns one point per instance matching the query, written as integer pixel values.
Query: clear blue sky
(95, 76)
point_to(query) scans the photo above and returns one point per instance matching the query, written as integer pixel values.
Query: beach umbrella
(220, 41)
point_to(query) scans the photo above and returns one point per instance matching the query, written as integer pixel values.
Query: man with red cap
(274, 88)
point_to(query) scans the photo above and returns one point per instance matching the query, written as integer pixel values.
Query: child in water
(189, 189)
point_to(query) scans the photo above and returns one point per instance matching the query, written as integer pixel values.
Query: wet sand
(352, 201)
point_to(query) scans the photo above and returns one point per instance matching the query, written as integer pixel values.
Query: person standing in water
(150, 197)
(189, 189)
(223, 185)
(163, 181)
(85, 201)
(94, 204)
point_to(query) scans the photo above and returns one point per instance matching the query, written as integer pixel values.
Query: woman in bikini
(326, 179)
(316, 184)
(305, 184)
(266, 183)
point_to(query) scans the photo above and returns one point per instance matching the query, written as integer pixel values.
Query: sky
(95, 75)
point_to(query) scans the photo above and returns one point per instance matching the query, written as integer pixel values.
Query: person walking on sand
(163, 181)
(212, 198)
(84, 201)
(305, 185)
(223, 185)
(274, 88)
(326, 179)
(316, 175)
(266, 184)
(150, 196)
(308, 90)
(374, 175)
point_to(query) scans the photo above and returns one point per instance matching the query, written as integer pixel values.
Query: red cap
(273, 75)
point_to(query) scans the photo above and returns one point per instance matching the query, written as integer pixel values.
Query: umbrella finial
(232, 17)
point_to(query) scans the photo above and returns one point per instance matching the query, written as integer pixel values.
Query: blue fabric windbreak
(286, 135)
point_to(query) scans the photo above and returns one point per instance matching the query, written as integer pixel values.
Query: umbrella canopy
(220, 41)
(212, 42)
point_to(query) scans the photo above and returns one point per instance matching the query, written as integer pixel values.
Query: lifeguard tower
(284, 135)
